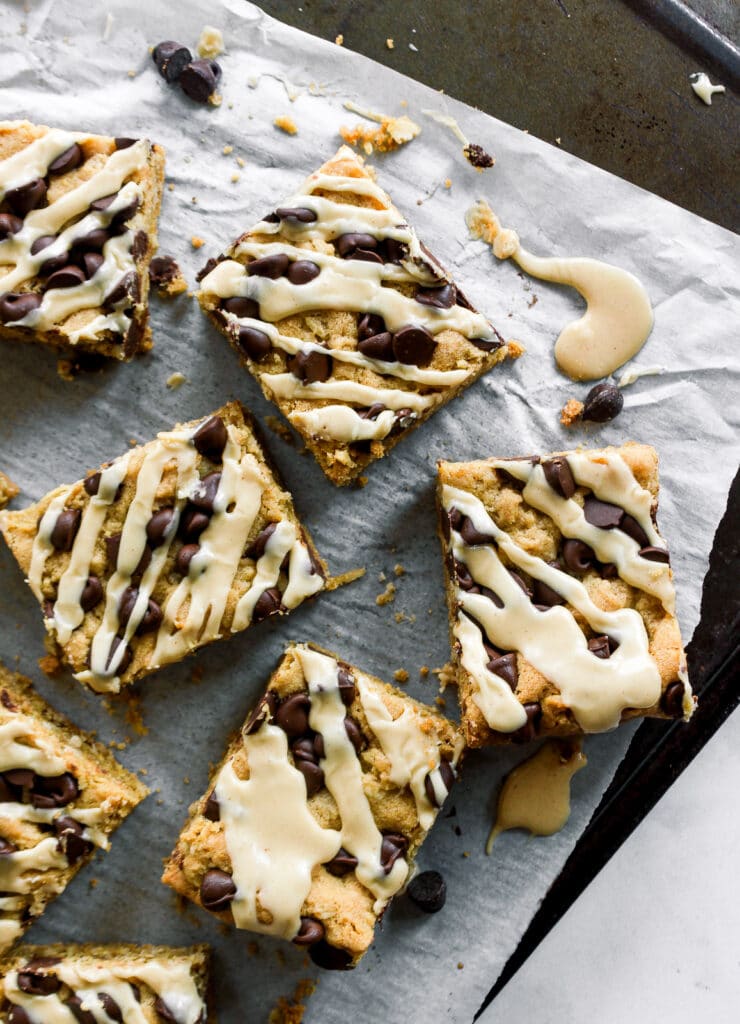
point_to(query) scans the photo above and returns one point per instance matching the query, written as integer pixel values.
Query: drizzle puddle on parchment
(618, 317)
(536, 795)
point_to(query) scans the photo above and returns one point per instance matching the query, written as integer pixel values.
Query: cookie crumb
(401, 675)
(388, 595)
(339, 40)
(571, 412)
(286, 124)
(8, 490)
(424, 671)
(235, 177)
(440, 702)
(50, 665)
(197, 242)
(227, 150)
(515, 348)
(389, 43)
(176, 380)
(215, 99)
(448, 183)
(390, 133)
(399, 569)
(445, 675)
(477, 157)
(93, 883)
(210, 43)
(361, 481)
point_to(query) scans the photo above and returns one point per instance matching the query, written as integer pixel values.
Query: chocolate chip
(55, 791)
(65, 529)
(192, 523)
(273, 266)
(308, 748)
(10, 225)
(67, 161)
(472, 536)
(528, 731)
(199, 78)
(162, 1009)
(655, 554)
(20, 777)
(341, 863)
(92, 594)
(542, 594)
(268, 603)
(254, 343)
(439, 298)
(448, 778)
(477, 156)
(603, 403)
(303, 271)
(331, 958)
(212, 811)
(310, 932)
(559, 476)
(185, 556)
(366, 256)
(602, 513)
(296, 214)
(292, 715)
(53, 263)
(428, 891)
(311, 367)
(217, 889)
(26, 197)
(257, 548)
(204, 495)
(413, 346)
(354, 733)
(34, 984)
(94, 240)
(152, 617)
(126, 657)
(671, 701)
(506, 668)
(313, 775)
(71, 842)
(378, 346)
(369, 325)
(113, 544)
(91, 263)
(159, 525)
(140, 243)
(17, 305)
(126, 289)
(68, 276)
(608, 571)
(121, 142)
(265, 709)
(111, 1007)
(163, 270)
(17, 1015)
(347, 687)
(578, 556)
(599, 645)
(241, 306)
(6, 847)
(394, 845)
(372, 412)
(462, 574)
(170, 58)
(210, 438)
(347, 243)
(632, 528)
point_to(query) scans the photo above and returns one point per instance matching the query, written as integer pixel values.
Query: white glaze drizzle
(342, 423)
(172, 981)
(286, 385)
(344, 780)
(596, 690)
(273, 840)
(42, 546)
(611, 479)
(703, 87)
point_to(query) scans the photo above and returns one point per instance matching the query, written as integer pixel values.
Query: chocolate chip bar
(345, 318)
(95, 984)
(560, 594)
(171, 546)
(61, 796)
(313, 819)
(78, 228)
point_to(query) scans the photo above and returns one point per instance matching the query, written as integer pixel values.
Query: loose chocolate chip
(268, 603)
(292, 715)
(269, 266)
(257, 548)
(26, 197)
(65, 529)
(170, 58)
(369, 325)
(578, 556)
(36, 984)
(347, 688)
(448, 778)
(17, 305)
(17, 1015)
(126, 289)
(310, 932)
(506, 668)
(10, 225)
(655, 554)
(311, 367)
(394, 845)
(192, 523)
(254, 343)
(6, 847)
(599, 645)
(217, 889)
(428, 890)
(341, 863)
(71, 842)
(354, 733)
(632, 528)
(111, 1007)
(672, 700)
(54, 791)
(158, 526)
(241, 306)
(528, 731)
(68, 276)
(199, 78)
(378, 346)
(603, 403)
(542, 594)
(123, 143)
(296, 214)
(205, 493)
(413, 346)
(67, 161)
(347, 243)
(212, 811)
(302, 271)
(602, 513)
(313, 775)
(163, 270)
(559, 476)
(439, 298)
(477, 156)
(210, 438)
(92, 594)
(265, 709)
(472, 536)
(91, 263)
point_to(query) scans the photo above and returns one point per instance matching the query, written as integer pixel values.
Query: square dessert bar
(313, 819)
(61, 796)
(346, 319)
(78, 228)
(560, 594)
(132, 983)
(176, 543)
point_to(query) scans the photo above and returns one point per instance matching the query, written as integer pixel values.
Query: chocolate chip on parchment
(602, 403)
(302, 271)
(273, 266)
(65, 529)
(311, 367)
(671, 701)
(292, 715)
(341, 863)
(68, 276)
(92, 594)
(296, 214)
(428, 891)
(577, 555)
(171, 57)
(254, 343)
(217, 889)
(310, 932)
(26, 197)
(506, 668)
(559, 476)
(158, 527)
(655, 554)
(599, 645)
(378, 346)
(10, 225)
(438, 298)
(265, 709)
(602, 513)
(199, 78)
(257, 548)
(17, 305)
(632, 528)
(210, 438)
(414, 346)
(393, 846)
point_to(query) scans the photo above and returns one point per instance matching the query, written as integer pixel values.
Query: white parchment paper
(68, 64)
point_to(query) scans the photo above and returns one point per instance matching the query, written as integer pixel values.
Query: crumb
(388, 595)
(240, 161)
(571, 412)
(390, 133)
(339, 40)
(131, 74)
(424, 671)
(135, 718)
(197, 674)
(399, 569)
(176, 380)
(227, 150)
(401, 675)
(460, 966)
(211, 43)
(186, 779)
(515, 348)
(170, 187)
(557, 139)
(290, 1010)
(252, 947)
(445, 675)
(50, 665)
(8, 490)
(533, 301)
(93, 883)
(382, 577)
(413, 48)
(235, 177)
(197, 242)
(440, 702)
(483, 223)
(361, 481)
(448, 182)
(215, 99)
(477, 157)
(389, 44)
(286, 124)
(143, 771)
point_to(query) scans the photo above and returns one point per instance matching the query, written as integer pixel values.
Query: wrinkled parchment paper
(68, 64)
